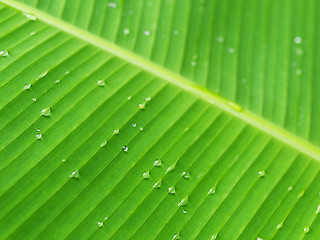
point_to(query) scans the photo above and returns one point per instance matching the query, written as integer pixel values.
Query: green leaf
(184, 119)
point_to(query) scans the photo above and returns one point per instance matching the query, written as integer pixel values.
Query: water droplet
(146, 175)
(64, 160)
(100, 224)
(297, 40)
(46, 112)
(75, 174)
(43, 74)
(125, 148)
(175, 32)
(187, 129)
(126, 31)
(170, 168)
(172, 190)
(318, 210)
(157, 184)
(299, 51)
(184, 211)
(134, 125)
(157, 163)
(235, 106)
(300, 195)
(212, 191)
(4, 53)
(57, 81)
(141, 129)
(103, 143)
(38, 136)
(176, 236)
(220, 39)
(129, 97)
(101, 83)
(116, 132)
(112, 4)
(261, 173)
(185, 174)
(106, 218)
(298, 71)
(34, 99)
(193, 63)
(279, 225)
(32, 33)
(214, 236)
(290, 188)
(259, 238)
(142, 105)
(183, 202)
(38, 129)
(66, 72)
(30, 16)
(27, 86)
(306, 229)
(231, 50)
(148, 99)
(147, 33)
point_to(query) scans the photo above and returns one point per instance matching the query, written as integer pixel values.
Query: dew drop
(103, 143)
(57, 81)
(176, 236)
(259, 238)
(101, 83)
(129, 97)
(279, 226)
(38, 129)
(184, 211)
(141, 129)
(64, 160)
(146, 175)
(112, 4)
(185, 174)
(38, 136)
(30, 16)
(32, 33)
(100, 224)
(46, 112)
(27, 86)
(66, 72)
(157, 163)
(43, 74)
(148, 99)
(220, 39)
(134, 125)
(187, 129)
(231, 50)
(297, 40)
(34, 99)
(212, 191)
(172, 190)
(235, 106)
(106, 218)
(142, 105)
(299, 51)
(157, 184)
(214, 236)
(261, 173)
(290, 188)
(300, 195)
(75, 174)
(183, 202)
(125, 148)
(170, 168)
(306, 229)
(175, 32)
(318, 210)
(4, 53)
(298, 71)
(126, 31)
(116, 132)
(147, 33)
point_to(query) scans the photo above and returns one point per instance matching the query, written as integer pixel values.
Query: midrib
(201, 92)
